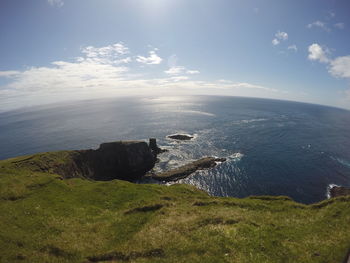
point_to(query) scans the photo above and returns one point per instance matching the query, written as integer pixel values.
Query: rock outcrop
(336, 191)
(154, 147)
(180, 137)
(186, 170)
(125, 160)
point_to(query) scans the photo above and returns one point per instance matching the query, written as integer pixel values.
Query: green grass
(46, 219)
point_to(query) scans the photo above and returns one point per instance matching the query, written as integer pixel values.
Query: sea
(272, 147)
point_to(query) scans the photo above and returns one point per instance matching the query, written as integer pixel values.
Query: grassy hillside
(46, 219)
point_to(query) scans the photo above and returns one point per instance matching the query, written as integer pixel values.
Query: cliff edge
(46, 219)
(124, 160)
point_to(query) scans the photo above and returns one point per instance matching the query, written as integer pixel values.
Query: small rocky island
(181, 137)
(188, 169)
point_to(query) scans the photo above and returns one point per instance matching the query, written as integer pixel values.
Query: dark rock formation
(336, 191)
(119, 256)
(125, 160)
(220, 160)
(181, 137)
(154, 147)
(186, 170)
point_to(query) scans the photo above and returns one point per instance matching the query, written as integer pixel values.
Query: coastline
(52, 217)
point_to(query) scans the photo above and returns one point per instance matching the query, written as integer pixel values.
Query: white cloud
(99, 73)
(175, 70)
(319, 24)
(124, 60)
(339, 25)
(192, 72)
(275, 42)
(340, 67)
(152, 59)
(293, 48)
(225, 81)
(110, 50)
(316, 52)
(279, 36)
(111, 54)
(9, 73)
(251, 86)
(179, 78)
(244, 85)
(331, 14)
(58, 3)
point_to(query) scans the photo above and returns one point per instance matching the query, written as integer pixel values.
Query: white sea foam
(236, 156)
(250, 121)
(217, 162)
(329, 187)
(341, 161)
(253, 120)
(195, 112)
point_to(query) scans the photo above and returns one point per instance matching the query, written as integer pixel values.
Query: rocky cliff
(125, 160)
(339, 191)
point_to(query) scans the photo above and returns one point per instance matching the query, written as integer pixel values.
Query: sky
(64, 50)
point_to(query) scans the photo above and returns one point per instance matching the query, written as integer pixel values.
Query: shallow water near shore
(272, 147)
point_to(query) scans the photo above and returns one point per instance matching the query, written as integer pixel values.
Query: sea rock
(336, 191)
(154, 147)
(220, 160)
(181, 137)
(186, 170)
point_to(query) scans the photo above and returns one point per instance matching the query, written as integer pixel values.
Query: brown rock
(336, 191)
(186, 170)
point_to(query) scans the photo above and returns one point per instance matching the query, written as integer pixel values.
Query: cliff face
(125, 160)
(339, 191)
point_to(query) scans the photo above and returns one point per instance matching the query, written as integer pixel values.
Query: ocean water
(272, 147)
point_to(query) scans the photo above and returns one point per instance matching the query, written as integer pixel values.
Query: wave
(329, 187)
(195, 112)
(236, 156)
(341, 161)
(250, 120)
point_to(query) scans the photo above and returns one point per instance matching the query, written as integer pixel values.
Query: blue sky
(59, 50)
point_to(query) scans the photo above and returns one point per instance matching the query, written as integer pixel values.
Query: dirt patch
(271, 198)
(13, 197)
(199, 203)
(148, 208)
(113, 256)
(56, 251)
